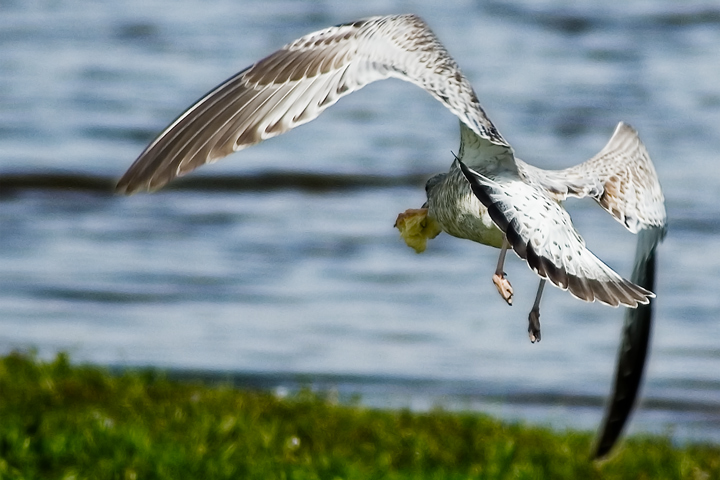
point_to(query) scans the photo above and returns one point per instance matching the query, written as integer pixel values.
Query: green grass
(64, 421)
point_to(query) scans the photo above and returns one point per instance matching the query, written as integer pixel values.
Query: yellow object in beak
(416, 227)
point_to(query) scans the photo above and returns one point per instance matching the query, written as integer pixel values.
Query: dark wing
(634, 346)
(295, 84)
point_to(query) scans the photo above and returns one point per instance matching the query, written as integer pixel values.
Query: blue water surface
(275, 284)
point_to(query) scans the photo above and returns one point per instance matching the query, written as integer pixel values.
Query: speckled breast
(460, 213)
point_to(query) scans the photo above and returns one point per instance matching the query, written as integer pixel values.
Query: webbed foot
(503, 287)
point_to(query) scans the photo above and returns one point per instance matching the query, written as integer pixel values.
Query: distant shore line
(354, 384)
(270, 180)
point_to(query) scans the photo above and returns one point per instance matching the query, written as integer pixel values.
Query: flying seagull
(488, 196)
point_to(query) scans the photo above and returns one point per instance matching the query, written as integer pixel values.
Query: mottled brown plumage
(296, 84)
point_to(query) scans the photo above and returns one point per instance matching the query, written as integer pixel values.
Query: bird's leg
(534, 317)
(503, 285)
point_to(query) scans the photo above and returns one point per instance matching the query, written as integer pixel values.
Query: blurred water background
(276, 287)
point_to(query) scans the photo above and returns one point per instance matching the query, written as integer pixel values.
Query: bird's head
(432, 184)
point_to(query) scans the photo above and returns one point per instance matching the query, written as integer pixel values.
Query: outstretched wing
(541, 232)
(295, 84)
(634, 346)
(621, 178)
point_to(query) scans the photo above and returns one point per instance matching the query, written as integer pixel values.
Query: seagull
(488, 195)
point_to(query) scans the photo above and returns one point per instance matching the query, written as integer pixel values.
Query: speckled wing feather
(621, 178)
(541, 232)
(295, 84)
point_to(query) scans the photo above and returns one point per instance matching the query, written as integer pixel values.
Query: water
(270, 286)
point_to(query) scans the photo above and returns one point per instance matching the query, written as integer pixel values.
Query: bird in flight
(488, 195)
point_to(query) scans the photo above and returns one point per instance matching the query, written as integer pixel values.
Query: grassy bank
(63, 421)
